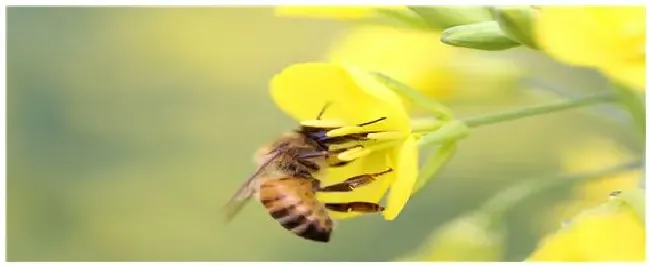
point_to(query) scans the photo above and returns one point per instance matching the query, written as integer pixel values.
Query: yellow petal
(611, 39)
(565, 33)
(405, 160)
(302, 90)
(413, 56)
(557, 247)
(611, 237)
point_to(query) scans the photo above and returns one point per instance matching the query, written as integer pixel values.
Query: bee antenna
(322, 111)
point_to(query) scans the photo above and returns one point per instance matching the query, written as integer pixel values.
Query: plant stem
(507, 199)
(425, 124)
(632, 101)
(537, 110)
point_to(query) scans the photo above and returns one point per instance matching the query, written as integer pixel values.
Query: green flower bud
(517, 23)
(442, 17)
(485, 35)
(474, 237)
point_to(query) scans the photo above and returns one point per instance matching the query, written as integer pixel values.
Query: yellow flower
(468, 238)
(418, 59)
(355, 97)
(333, 12)
(611, 39)
(608, 233)
(415, 57)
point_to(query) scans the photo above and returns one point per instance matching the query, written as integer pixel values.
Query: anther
(387, 135)
(353, 154)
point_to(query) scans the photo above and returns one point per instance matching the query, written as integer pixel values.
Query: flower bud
(517, 23)
(614, 231)
(474, 237)
(485, 35)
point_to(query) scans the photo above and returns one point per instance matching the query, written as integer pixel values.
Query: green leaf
(517, 23)
(486, 36)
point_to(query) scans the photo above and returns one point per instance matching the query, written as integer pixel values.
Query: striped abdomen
(291, 201)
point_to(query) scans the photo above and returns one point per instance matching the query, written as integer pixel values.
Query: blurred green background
(129, 128)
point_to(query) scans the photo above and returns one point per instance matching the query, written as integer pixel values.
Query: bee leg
(339, 164)
(310, 155)
(357, 206)
(317, 154)
(354, 182)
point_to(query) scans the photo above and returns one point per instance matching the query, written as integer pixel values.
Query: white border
(323, 2)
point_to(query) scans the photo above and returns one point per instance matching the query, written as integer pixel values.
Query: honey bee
(286, 181)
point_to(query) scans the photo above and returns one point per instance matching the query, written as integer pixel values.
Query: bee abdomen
(316, 232)
(291, 203)
(302, 224)
(307, 228)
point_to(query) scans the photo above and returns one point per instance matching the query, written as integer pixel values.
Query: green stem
(420, 125)
(634, 105)
(507, 199)
(537, 110)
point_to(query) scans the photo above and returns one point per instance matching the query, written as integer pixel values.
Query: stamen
(344, 131)
(387, 135)
(346, 145)
(358, 152)
(352, 154)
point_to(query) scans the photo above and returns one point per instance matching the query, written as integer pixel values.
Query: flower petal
(302, 90)
(413, 56)
(611, 39)
(405, 160)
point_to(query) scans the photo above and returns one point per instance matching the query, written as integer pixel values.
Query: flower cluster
(405, 59)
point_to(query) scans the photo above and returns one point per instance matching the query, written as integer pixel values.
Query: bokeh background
(129, 128)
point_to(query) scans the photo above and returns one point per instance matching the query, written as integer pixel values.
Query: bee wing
(238, 201)
(246, 191)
